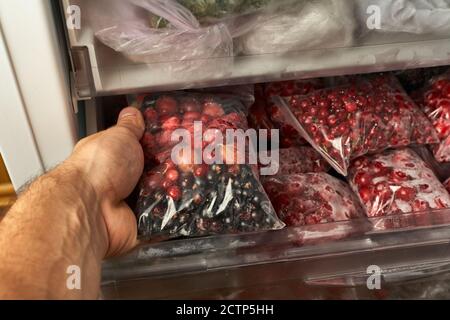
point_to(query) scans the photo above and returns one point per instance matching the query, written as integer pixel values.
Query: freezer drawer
(100, 70)
(294, 263)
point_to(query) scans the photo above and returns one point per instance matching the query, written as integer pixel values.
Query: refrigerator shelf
(406, 247)
(99, 70)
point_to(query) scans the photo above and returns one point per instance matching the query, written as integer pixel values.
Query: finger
(122, 228)
(131, 118)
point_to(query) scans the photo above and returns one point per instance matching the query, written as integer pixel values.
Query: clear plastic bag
(447, 185)
(435, 101)
(258, 118)
(312, 198)
(213, 11)
(396, 181)
(301, 25)
(125, 26)
(440, 169)
(345, 122)
(301, 159)
(288, 135)
(180, 196)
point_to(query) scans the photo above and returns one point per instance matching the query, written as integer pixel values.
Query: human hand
(112, 162)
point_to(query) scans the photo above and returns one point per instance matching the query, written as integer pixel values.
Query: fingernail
(128, 114)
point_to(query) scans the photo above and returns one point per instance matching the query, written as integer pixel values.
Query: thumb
(131, 118)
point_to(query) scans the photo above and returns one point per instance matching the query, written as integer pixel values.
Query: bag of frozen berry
(297, 160)
(396, 181)
(312, 198)
(288, 135)
(366, 117)
(435, 101)
(440, 169)
(197, 181)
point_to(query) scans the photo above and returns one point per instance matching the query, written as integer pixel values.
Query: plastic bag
(440, 169)
(411, 16)
(396, 181)
(435, 101)
(288, 135)
(301, 25)
(345, 122)
(447, 185)
(258, 117)
(125, 27)
(212, 11)
(181, 197)
(312, 198)
(302, 159)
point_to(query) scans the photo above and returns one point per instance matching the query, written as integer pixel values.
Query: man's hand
(112, 162)
(75, 215)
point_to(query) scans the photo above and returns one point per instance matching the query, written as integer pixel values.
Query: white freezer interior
(264, 265)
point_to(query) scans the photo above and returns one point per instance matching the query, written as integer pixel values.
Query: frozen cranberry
(213, 109)
(405, 184)
(406, 193)
(166, 106)
(171, 124)
(151, 115)
(363, 179)
(201, 170)
(172, 175)
(174, 192)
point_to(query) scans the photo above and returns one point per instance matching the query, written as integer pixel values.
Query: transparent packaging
(348, 121)
(311, 198)
(288, 135)
(297, 160)
(396, 181)
(435, 101)
(162, 45)
(182, 193)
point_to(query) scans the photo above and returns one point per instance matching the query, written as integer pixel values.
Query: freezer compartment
(332, 260)
(100, 70)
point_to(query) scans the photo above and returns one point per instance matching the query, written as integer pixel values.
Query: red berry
(213, 109)
(174, 192)
(151, 115)
(365, 194)
(166, 106)
(192, 116)
(201, 170)
(406, 193)
(172, 175)
(171, 123)
(363, 179)
(166, 183)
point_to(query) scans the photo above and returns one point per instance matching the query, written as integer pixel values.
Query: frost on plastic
(180, 198)
(312, 198)
(435, 101)
(127, 28)
(302, 159)
(395, 182)
(348, 121)
(301, 25)
(288, 135)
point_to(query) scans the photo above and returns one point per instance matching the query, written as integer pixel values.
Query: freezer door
(38, 129)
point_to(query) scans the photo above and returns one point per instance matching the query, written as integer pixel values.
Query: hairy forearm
(55, 224)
